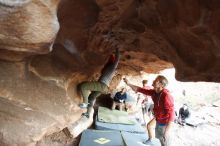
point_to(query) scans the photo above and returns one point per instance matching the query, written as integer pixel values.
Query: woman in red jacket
(163, 108)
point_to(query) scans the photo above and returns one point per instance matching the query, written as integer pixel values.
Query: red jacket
(163, 105)
(146, 98)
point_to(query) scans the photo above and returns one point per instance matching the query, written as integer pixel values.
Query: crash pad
(101, 138)
(135, 128)
(137, 139)
(114, 116)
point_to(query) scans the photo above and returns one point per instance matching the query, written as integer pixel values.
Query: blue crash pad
(135, 139)
(101, 138)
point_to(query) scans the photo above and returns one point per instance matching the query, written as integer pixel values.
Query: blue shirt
(119, 96)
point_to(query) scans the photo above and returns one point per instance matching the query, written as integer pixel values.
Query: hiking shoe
(83, 105)
(148, 142)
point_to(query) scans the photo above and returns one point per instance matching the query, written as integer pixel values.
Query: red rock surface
(48, 47)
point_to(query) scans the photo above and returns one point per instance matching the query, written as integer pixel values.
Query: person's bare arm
(133, 87)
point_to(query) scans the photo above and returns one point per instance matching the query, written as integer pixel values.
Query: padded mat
(134, 139)
(101, 138)
(135, 128)
(114, 116)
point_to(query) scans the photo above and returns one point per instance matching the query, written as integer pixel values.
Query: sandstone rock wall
(48, 47)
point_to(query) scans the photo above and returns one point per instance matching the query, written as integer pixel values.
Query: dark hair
(144, 81)
(163, 80)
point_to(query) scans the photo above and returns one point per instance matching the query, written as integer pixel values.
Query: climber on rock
(90, 90)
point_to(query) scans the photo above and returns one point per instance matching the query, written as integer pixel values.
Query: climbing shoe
(85, 114)
(148, 142)
(83, 105)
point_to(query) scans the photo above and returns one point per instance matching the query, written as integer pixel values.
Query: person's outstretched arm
(149, 92)
(133, 87)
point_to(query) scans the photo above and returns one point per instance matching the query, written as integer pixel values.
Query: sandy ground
(207, 133)
(203, 135)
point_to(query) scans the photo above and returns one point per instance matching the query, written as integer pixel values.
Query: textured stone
(31, 106)
(48, 47)
(29, 28)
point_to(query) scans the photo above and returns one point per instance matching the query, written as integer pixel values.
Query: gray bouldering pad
(114, 116)
(101, 138)
(134, 139)
(135, 128)
(195, 121)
